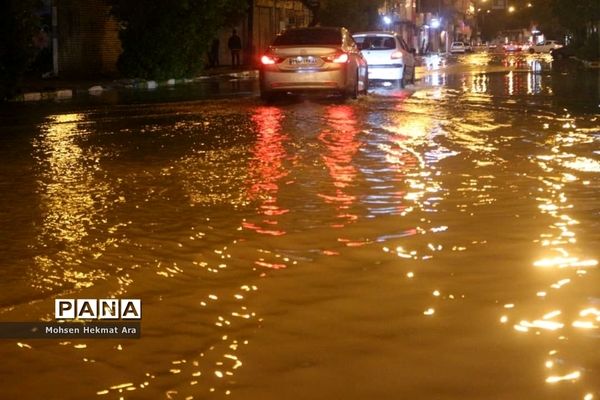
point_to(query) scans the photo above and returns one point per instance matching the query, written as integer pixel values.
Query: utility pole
(54, 38)
(250, 50)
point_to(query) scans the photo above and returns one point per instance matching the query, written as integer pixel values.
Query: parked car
(388, 56)
(313, 59)
(457, 47)
(545, 47)
(564, 52)
(512, 47)
(468, 47)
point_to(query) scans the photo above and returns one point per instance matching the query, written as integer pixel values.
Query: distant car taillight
(339, 58)
(269, 59)
(396, 55)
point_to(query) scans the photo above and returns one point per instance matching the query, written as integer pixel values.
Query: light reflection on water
(267, 172)
(74, 200)
(340, 139)
(402, 244)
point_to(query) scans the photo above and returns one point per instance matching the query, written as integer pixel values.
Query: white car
(388, 56)
(545, 47)
(458, 47)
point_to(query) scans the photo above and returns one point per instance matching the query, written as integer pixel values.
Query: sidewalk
(37, 89)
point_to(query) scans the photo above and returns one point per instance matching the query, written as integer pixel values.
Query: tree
(18, 25)
(168, 39)
(577, 16)
(356, 15)
(542, 17)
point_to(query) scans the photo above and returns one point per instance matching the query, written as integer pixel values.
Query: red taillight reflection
(268, 60)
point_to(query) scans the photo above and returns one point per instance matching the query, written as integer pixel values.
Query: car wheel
(531, 51)
(353, 93)
(267, 96)
(401, 84)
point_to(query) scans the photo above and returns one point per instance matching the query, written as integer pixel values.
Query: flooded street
(439, 242)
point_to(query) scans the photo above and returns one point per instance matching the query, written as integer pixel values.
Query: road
(438, 242)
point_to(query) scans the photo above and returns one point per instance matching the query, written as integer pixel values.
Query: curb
(590, 64)
(97, 90)
(587, 64)
(61, 94)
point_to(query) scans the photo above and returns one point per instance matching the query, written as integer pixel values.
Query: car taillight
(396, 55)
(339, 58)
(268, 59)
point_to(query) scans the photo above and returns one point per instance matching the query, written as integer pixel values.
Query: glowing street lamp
(435, 23)
(387, 20)
(511, 9)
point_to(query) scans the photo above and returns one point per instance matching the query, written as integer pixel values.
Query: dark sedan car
(562, 53)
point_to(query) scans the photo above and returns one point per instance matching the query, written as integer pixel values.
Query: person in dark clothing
(235, 46)
(213, 54)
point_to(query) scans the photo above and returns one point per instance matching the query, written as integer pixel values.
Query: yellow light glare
(552, 314)
(569, 377)
(590, 311)
(584, 325)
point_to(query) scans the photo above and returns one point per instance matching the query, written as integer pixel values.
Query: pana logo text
(98, 309)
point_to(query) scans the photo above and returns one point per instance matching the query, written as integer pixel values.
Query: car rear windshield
(375, 42)
(309, 37)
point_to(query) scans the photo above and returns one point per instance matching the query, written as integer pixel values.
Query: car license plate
(303, 60)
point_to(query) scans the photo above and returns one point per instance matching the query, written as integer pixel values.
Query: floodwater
(439, 242)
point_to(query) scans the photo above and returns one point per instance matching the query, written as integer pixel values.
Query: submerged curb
(589, 64)
(61, 94)
(135, 84)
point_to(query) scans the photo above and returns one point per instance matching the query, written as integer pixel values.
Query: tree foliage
(168, 39)
(18, 25)
(356, 15)
(576, 16)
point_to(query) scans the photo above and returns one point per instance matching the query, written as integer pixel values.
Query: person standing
(235, 46)
(213, 54)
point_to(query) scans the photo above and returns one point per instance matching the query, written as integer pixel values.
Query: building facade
(265, 19)
(402, 15)
(85, 38)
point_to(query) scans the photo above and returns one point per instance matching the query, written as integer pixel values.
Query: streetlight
(387, 20)
(511, 9)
